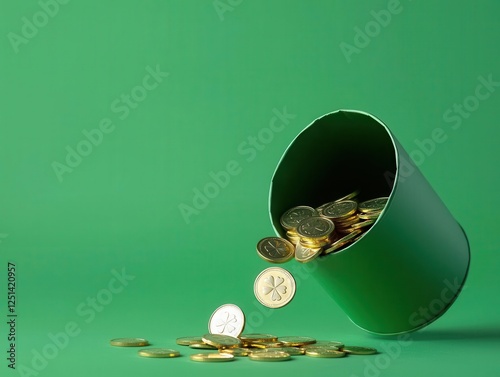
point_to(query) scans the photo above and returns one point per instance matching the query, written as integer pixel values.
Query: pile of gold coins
(225, 342)
(312, 232)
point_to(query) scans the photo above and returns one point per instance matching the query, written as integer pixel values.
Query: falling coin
(274, 287)
(275, 249)
(227, 319)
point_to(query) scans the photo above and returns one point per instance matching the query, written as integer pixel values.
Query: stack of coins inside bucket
(329, 228)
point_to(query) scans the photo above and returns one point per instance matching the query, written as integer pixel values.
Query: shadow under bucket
(406, 270)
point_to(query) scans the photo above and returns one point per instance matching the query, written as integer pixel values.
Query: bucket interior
(337, 154)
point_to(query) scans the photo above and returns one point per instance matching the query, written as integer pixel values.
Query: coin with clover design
(227, 319)
(315, 227)
(274, 287)
(275, 249)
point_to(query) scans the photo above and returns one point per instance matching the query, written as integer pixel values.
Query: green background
(119, 208)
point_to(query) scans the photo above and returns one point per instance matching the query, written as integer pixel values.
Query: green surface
(229, 75)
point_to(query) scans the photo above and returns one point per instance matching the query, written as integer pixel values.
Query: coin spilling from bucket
(257, 347)
(313, 232)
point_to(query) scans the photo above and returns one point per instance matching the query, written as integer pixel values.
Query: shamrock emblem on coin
(226, 323)
(274, 287)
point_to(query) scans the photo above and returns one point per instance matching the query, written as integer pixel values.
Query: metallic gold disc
(274, 287)
(355, 350)
(373, 205)
(369, 215)
(296, 341)
(322, 207)
(324, 352)
(129, 342)
(227, 319)
(269, 356)
(363, 224)
(261, 338)
(339, 210)
(315, 227)
(305, 254)
(212, 357)
(202, 346)
(342, 241)
(325, 343)
(159, 352)
(291, 218)
(264, 345)
(238, 352)
(188, 340)
(221, 341)
(275, 249)
(349, 196)
(292, 351)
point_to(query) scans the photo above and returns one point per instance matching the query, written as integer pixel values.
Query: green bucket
(410, 266)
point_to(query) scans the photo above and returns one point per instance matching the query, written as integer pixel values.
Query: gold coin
(129, 342)
(158, 352)
(188, 340)
(315, 227)
(262, 338)
(355, 350)
(202, 346)
(238, 352)
(350, 196)
(212, 357)
(291, 218)
(322, 207)
(274, 287)
(339, 210)
(275, 249)
(304, 254)
(318, 242)
(347, 222)
(269, 356)
(325, 343)
(362, 224)
(221, 341)
(263, 345)
(342, 241)
(373, 205)
(369, 215)
(324, 352)
(296, 341)
(227, 319)
(292, 351)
